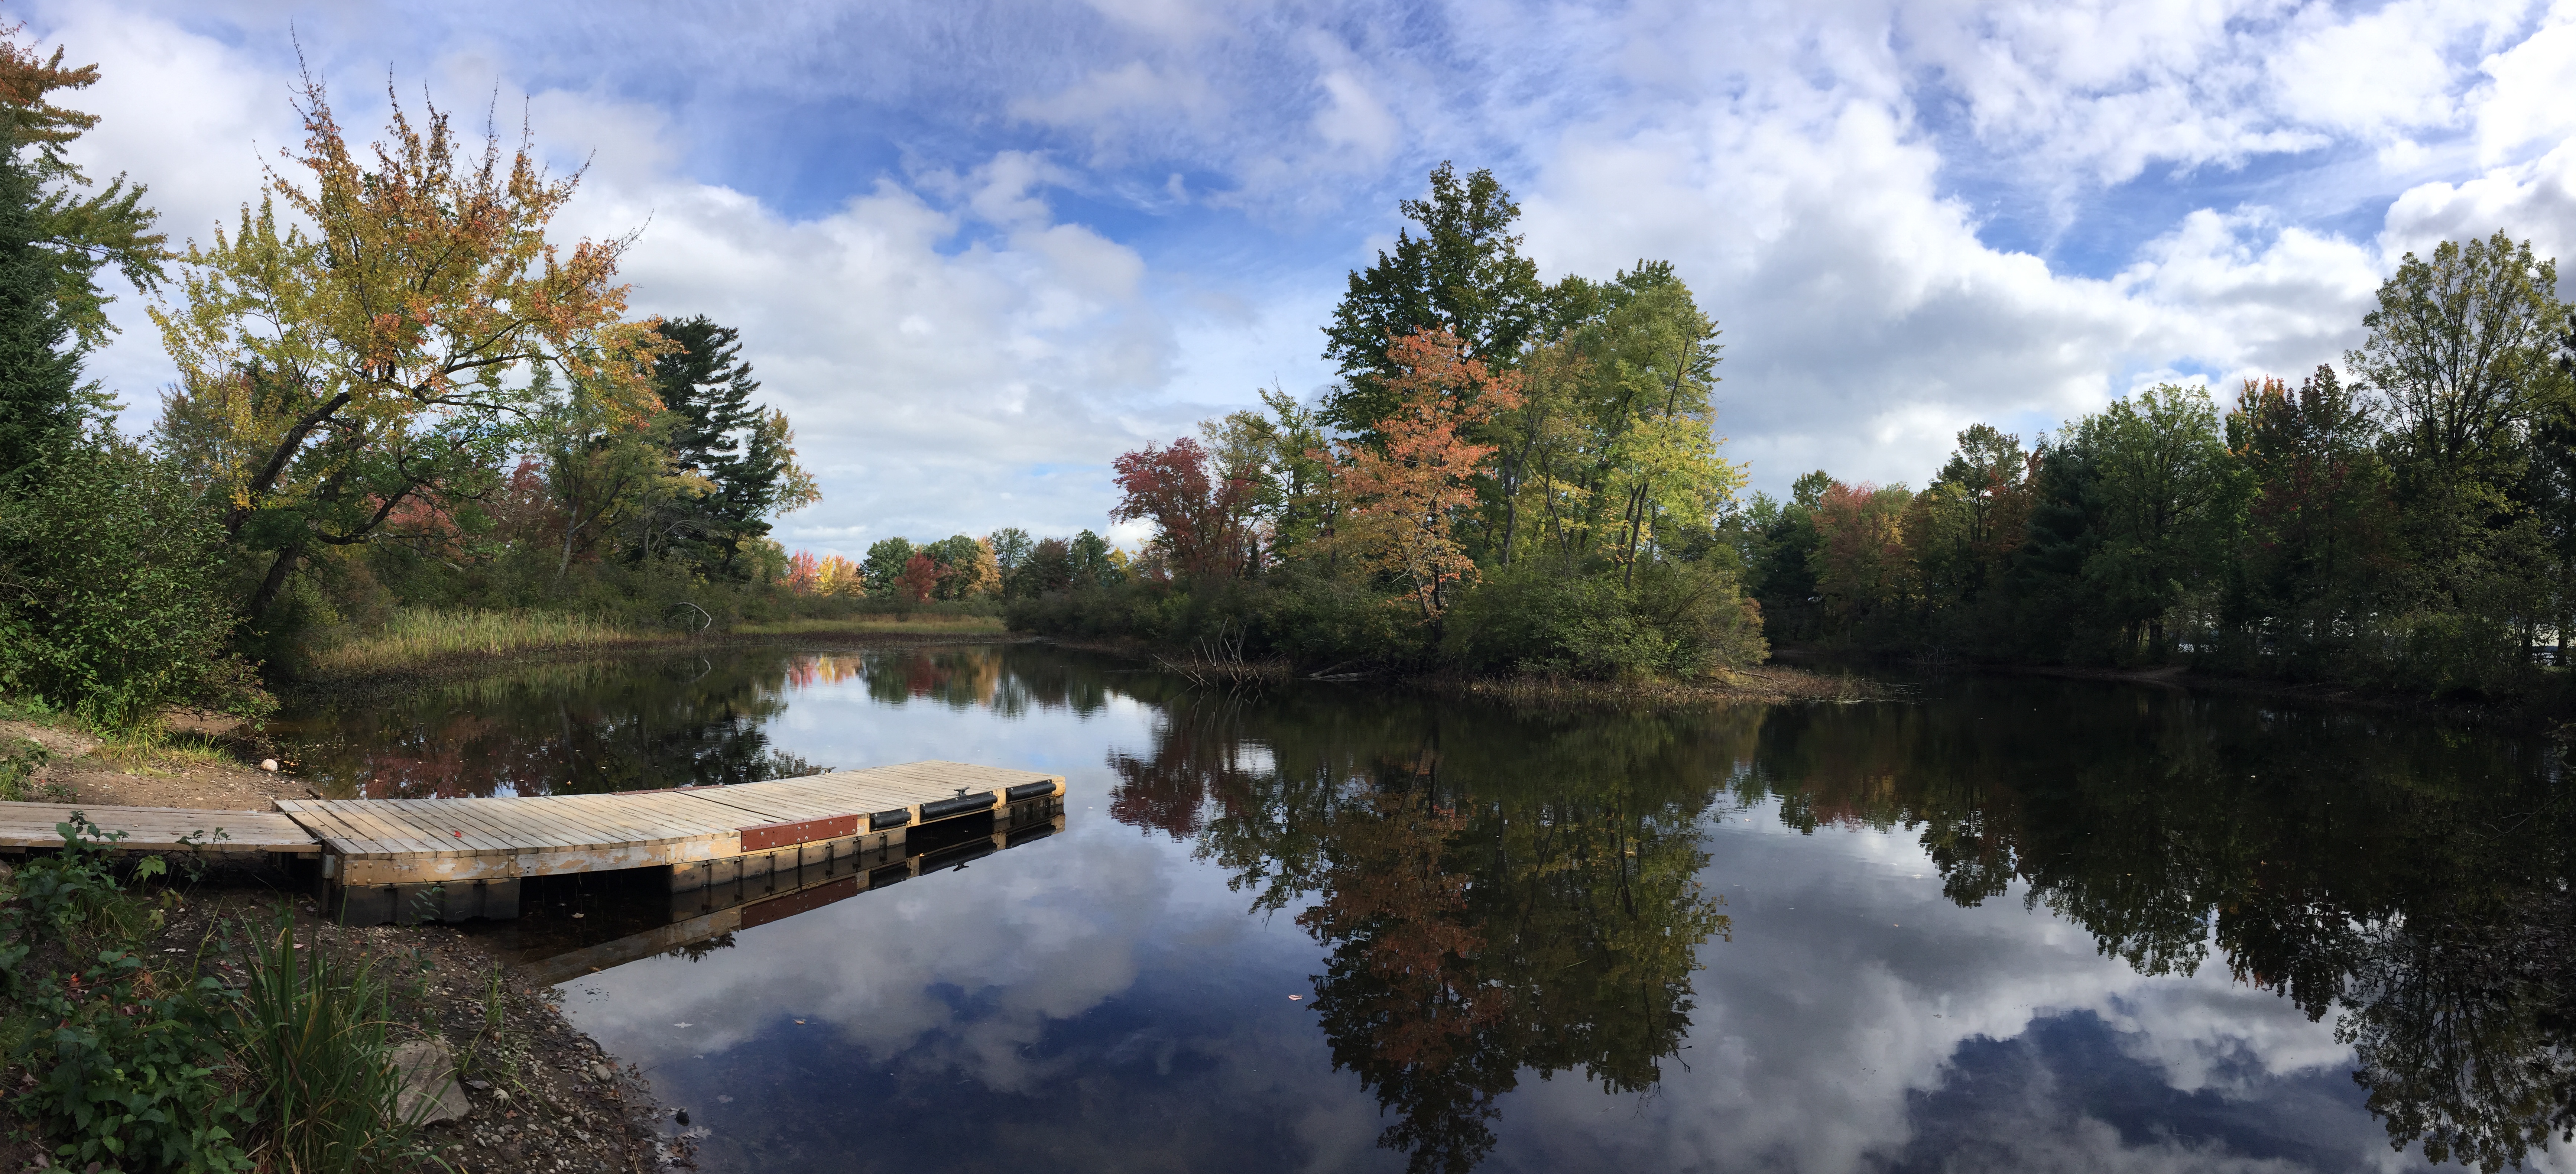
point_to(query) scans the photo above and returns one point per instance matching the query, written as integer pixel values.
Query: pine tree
(747, 455)
(42, 403)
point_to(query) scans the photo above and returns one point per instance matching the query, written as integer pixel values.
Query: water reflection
(1502, 894)
(1498, 897)
(626, 725)
(1498, 908)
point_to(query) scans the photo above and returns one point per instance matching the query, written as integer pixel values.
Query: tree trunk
(273, 584)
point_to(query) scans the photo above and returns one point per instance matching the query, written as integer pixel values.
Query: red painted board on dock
(804, 831)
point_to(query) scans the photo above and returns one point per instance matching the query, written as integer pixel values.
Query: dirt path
(79, 775)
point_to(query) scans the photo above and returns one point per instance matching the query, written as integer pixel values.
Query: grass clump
(151, 748)
(315, 1033)
(412, 637)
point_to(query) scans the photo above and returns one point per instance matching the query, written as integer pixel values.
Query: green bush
(123, 1062)
(1673, 620)
(111, 589)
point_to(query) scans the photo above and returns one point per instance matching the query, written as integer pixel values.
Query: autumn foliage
(1199, 511)
(1406, 497)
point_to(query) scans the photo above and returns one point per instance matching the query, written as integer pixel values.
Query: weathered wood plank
(158, 829)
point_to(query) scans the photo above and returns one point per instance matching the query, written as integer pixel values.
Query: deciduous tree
(416, 330)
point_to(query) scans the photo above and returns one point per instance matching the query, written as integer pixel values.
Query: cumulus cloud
(977, 250)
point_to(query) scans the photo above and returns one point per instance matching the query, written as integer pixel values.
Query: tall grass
(314, 1031)
(923, 623)
(420, 636)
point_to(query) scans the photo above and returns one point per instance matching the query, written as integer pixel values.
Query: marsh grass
(153, 749)
(418, 637)
(316, 1032)
(917, 624)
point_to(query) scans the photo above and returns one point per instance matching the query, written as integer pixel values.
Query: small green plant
(127, 1071)
(316, 1034)
(123, 1061)
(18, 767)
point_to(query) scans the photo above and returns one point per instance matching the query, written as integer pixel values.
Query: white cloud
(1907, 217)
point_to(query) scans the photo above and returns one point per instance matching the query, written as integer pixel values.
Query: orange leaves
(1407, 497)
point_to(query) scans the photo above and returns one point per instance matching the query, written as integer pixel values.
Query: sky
(976, 250)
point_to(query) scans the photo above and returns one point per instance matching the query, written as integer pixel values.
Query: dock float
(451, 859)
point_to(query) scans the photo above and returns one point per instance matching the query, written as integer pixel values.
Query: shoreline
(2533, 714)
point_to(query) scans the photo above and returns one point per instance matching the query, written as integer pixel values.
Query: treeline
(2406, 523)
(1510, 476)
(1005, 564)
(393, 392)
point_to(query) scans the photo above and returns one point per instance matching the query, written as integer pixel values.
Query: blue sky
(977, 250)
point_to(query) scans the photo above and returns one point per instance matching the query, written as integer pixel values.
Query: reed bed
(418, 637)
(940, 625)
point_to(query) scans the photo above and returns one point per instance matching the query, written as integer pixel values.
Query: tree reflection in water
(629, 724)
(1502, 893)
(1496, 894)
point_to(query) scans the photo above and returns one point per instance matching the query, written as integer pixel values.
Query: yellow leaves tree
(381, 325)
(1407, 497)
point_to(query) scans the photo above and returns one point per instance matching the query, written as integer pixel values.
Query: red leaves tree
(1202, 516)
(1409, 495)
(921, 575)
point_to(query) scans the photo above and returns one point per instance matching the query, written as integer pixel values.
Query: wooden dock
(451, 859)
(700, 915)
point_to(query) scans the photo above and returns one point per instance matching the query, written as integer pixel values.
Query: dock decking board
(156, 829)
(424, 841)
(404, 848)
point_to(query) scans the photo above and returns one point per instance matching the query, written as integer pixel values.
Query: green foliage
(111, 596)
(316, 1032)
(127, 1075)
(42, 405)
(18, 767)
(125, 1061)
(1672, 620)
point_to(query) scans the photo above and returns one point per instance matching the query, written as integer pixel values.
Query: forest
(2405, 524)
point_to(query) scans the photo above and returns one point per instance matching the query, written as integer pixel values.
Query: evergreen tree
(42, 402)
(747, 456)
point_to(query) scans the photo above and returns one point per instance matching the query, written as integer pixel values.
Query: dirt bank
(210, 769)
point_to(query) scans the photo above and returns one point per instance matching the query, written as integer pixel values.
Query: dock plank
(156, 829)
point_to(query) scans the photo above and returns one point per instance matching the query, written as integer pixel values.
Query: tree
(1861, 565)
(967, 567)
(1010, 546)
(2317, 532)
(920, 576)
(1202, 514)
(1278, 456)
(52, 245)
(1409, 496)
(746, 456)
(1613, 442)
(885, 563)
(1463, 274)
(416, 333)
(2165, 480)
(42, 407)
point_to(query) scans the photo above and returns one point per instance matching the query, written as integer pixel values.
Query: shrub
(111, 603)
(1673, 620)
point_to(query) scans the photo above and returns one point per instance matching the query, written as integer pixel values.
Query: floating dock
(451, 859)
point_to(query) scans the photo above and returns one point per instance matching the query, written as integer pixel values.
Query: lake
(1989, 923)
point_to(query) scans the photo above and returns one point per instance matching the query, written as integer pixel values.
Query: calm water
(1999, 924)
